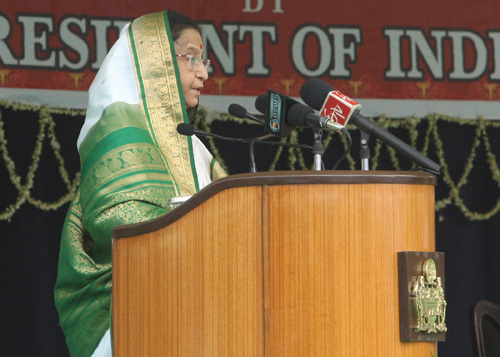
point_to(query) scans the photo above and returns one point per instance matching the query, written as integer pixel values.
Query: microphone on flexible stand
(298, 114)
(301, 115)
(333, 104)
(189, 130)
(238, 111)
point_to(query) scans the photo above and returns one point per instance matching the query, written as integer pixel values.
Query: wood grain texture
(281, 270)
(195, 288)
(333, 284)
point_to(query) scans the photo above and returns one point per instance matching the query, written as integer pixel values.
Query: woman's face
(190, 43)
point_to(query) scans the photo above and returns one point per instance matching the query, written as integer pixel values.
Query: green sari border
(144, 98)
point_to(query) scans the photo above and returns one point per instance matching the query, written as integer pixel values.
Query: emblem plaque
(422, 303)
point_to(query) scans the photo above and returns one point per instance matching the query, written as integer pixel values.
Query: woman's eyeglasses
(194, 62)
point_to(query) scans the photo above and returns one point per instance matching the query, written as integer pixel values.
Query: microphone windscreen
(297, 114)
(185, 129)
(314, 92)
(237, 111)
(261, 103)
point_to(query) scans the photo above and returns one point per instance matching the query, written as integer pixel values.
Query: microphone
(330, 103)
(261, 103)
(189, 130)
(275, 106)
(238, 111)
(186, 129)
(321, 96)
(302, 115)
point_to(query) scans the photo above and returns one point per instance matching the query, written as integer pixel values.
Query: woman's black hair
(179, 22)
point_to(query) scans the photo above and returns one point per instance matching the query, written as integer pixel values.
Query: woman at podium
(132, 162)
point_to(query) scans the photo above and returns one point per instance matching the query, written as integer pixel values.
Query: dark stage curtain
(467, 219)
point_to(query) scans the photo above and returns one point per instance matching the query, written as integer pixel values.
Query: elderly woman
(132, 161)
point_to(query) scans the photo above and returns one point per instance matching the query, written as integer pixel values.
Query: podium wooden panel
(274, 264)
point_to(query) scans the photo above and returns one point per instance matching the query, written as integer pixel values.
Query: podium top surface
(272, 178)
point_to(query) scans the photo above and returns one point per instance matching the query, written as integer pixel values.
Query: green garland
(295, 158)
(46, 129)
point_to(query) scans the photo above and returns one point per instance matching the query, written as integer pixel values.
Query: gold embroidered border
(123, 164)
(161, 95)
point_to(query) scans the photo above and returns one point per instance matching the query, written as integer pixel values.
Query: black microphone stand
(253, 166)
(364, 150)
(318, 148)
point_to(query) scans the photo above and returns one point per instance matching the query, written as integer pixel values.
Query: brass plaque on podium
(422, 303)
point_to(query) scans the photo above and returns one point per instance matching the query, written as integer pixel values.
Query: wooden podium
(274, 264)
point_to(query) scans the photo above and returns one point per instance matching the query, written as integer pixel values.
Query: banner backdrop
(394, 56)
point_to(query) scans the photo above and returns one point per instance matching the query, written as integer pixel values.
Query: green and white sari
(132, 161)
